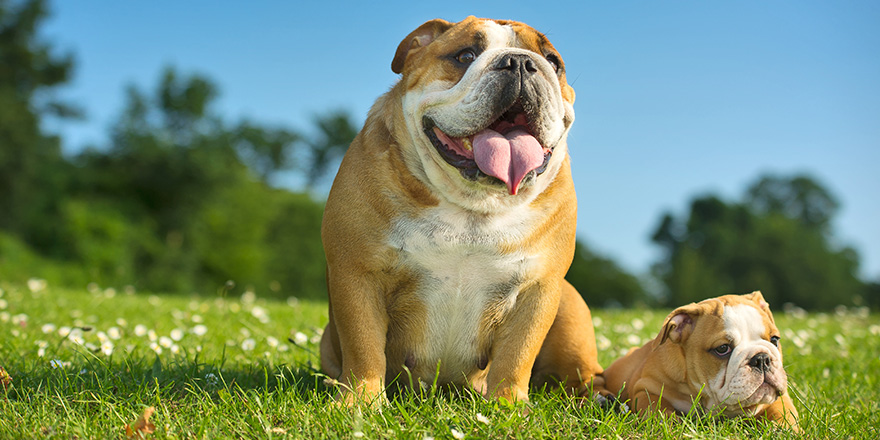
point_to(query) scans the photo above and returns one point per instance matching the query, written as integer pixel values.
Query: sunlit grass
(84, 363)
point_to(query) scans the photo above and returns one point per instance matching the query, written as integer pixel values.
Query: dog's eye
(466, 56)
(554, 61)
(774, 340)
(722, 350)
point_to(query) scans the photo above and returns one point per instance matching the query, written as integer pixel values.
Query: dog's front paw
(359, 396)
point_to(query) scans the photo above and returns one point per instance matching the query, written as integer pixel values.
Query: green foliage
(776, 241)
(293, 240)
(335, 133)
(800, 198)
(102, 240)
(602, 283)
(19, 262)
(32, 171)
(872, 295)
(266, 151)
(206, 216)
(178, 201)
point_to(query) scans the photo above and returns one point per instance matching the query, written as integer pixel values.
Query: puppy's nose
(760, 361)
(516, 62)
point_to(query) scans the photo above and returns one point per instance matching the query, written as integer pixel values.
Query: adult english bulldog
(721, 355)
(451, 223)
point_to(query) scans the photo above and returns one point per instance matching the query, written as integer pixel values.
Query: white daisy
(638, 324)
(633, 340)
(36, 285)
(300, 338)
(212, 379)
(20, 319)
(114, 333)
(76, 336)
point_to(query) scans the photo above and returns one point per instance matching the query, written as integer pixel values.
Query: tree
(267, 151)
(777, 240)
(872, 295)
(602, 283)
(32, 169)
(179, 198)
(182, 203)
(335, 134)
(799, 198)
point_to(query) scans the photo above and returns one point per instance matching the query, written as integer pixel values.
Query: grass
(84, 363)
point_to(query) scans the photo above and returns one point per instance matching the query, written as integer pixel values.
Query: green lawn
(84, 363)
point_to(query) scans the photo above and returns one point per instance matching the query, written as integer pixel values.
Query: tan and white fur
(435, 276)
(720, 355)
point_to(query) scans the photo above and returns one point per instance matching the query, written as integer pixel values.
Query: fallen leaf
(142, 426)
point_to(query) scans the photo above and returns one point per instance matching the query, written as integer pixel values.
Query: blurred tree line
(777, 239)
(179, 200)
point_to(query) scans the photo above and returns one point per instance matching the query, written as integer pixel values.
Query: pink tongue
(508, 157)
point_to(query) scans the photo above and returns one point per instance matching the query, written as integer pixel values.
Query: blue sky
(674, 99)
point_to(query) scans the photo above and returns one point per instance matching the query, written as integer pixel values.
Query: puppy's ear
(421, 37)
(758, 298)
(679, 324)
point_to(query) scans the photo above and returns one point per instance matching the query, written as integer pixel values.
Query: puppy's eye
(722, 350)
(774, 340)
(554, 61)
(466, 56)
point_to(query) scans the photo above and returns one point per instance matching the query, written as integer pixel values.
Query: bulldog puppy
(451, 223)
(721, 354)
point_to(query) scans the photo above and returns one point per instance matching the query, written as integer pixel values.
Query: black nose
(760, 361)
(516, 62)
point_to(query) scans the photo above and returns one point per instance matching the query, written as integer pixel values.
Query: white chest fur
(462, 272)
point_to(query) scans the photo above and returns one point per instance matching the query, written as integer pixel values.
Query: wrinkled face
(488, 109)
(737, 356)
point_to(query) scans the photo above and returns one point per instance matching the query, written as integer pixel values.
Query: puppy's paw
(610, 402)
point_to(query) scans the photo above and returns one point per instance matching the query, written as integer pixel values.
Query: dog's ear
(421, 37)
(679, 324)
(758, 298)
